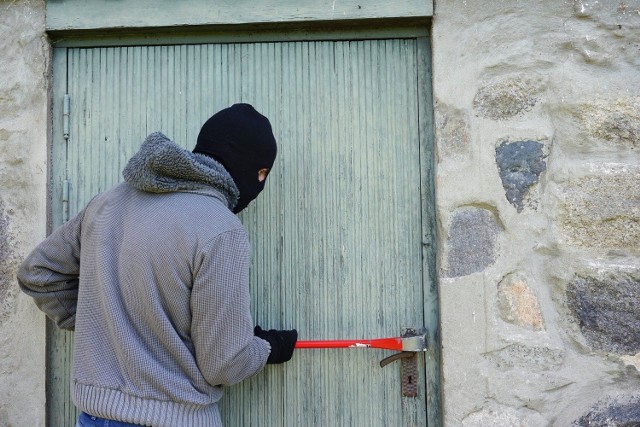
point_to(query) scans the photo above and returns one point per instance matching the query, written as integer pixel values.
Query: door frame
(384, 29)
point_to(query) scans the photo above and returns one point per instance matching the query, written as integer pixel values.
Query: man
(153, 276)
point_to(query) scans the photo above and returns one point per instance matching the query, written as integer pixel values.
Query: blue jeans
(86, 420)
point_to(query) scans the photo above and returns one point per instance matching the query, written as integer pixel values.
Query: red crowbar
(406, 343)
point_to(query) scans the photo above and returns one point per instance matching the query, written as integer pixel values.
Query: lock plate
(409, 370)
(410, 376)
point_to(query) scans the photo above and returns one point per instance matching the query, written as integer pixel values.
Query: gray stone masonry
(520, 164)
(537, 172)
(472, 241)
(537, 121)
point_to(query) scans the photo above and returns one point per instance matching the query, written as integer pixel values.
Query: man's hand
(282, 343)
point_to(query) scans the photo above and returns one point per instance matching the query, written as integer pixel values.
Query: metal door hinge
(66, 108)
(65, 201)
(65, 133)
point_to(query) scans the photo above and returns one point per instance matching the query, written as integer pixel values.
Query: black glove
(282, 343)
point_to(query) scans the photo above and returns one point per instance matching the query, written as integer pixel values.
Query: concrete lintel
(69, 15)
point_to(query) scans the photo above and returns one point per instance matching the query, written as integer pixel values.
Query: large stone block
(599, 125)
(616, 122)
(602, 210)
(517, 304)
(508, 97)
(606, 307)
(614, 411)
(452, 130)
(472, 241)
(520, 164)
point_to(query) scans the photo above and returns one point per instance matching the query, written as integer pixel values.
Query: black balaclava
(242, 140)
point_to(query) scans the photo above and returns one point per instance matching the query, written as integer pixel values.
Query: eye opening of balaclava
(242, 140)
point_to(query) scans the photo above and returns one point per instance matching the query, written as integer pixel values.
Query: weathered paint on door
(339, 234)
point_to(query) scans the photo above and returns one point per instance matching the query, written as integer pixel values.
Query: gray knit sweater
(153, 277)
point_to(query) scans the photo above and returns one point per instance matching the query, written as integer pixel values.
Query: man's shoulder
(205, 211)
(201, 209)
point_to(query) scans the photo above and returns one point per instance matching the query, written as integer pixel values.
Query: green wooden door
(341, 236)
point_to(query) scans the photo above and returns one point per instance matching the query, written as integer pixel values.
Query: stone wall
(537, 111)
(537, 114)
(23, 164)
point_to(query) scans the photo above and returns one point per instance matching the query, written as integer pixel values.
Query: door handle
(409, 367)
(402, 355)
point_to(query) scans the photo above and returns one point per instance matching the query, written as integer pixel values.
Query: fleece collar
(162, 166)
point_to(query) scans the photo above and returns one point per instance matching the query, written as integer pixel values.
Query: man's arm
(51, 271)
(222, 328)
